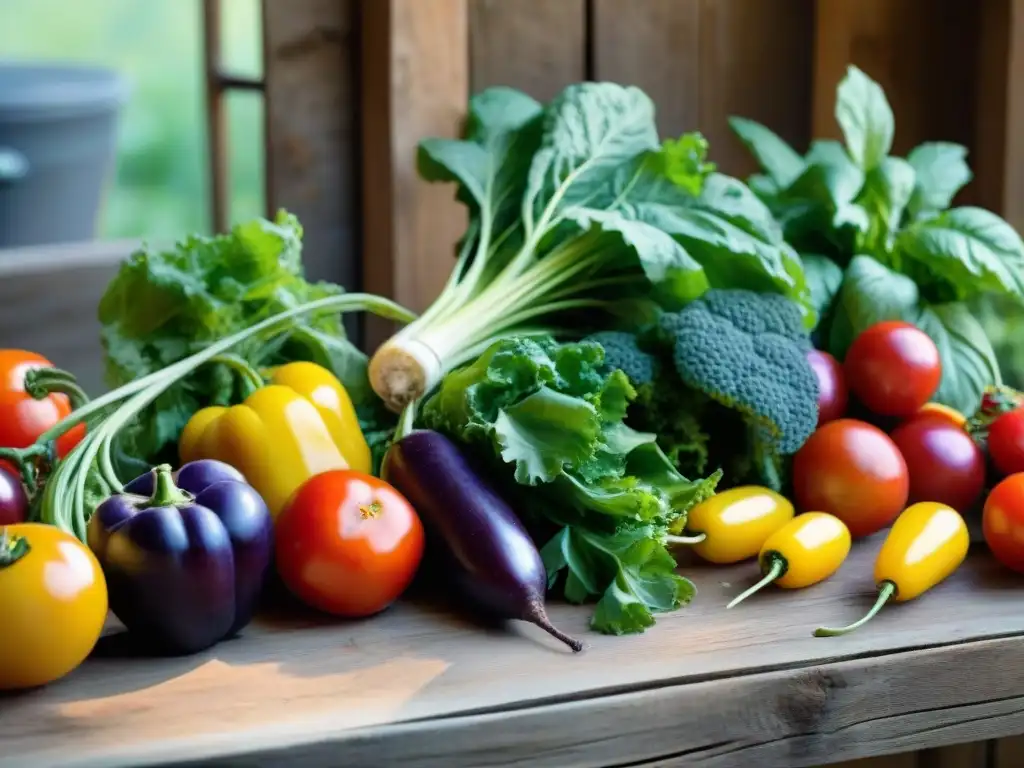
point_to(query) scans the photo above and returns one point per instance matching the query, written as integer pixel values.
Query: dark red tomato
(893, 368)
(348, 543)
(854, 471)
(1006, 442)
(832, 394)
(22, 417)
(1002, 522)
(944, 463)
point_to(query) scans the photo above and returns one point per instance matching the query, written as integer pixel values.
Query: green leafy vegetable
(163, 306)
(940, 170)
(550, 416)
(866, 119)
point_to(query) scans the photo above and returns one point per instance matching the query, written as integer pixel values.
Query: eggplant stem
(535, 614)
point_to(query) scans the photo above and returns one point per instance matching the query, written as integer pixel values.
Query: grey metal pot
(58, 135)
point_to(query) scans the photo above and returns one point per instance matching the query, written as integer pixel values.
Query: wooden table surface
(417, 686)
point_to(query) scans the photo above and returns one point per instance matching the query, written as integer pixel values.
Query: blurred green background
(161, 189)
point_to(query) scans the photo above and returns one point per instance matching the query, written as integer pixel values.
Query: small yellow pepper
(926, 544)
(806, 550)
(732, 525)
(298, 425)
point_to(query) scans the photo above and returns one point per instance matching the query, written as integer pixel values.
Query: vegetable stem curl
(886, 591)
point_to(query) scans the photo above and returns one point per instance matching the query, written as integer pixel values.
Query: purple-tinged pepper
(184, 561)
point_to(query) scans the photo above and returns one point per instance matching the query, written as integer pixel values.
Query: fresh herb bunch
(548, 419)
(165, 305)
(579, 216)
(879, 240)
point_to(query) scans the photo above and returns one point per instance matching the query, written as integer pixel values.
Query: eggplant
(490, 557)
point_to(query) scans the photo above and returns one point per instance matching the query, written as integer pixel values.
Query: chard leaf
(865, 117)
(589, 131)
(971, 250)
(968, 361)
(545, 432)
(734, 201)
(779, 161)
(885, 195)
(941, 169)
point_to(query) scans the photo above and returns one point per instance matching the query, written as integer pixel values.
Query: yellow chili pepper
(926, 544)
(732, 525)
(806, 550)
(300, 424)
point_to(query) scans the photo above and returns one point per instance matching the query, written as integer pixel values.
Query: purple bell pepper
(185, 554)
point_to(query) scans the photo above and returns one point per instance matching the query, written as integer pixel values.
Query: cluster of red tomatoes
(881, 444)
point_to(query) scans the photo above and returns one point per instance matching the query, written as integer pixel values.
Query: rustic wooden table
(420, 687)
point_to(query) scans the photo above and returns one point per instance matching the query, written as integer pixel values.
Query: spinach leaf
(941, 170)
(865, 117)
(824, 277)
(871, 293)
(885, 195)
(969, 250)
(780, 161)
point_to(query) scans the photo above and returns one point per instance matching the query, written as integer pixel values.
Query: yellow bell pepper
(300, 424)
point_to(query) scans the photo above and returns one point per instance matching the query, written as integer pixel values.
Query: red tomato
(854, 471)
(832, 394)
(944, 463)
(893, 368)
(1002, 522)
(1006, 442)
(348, 543)
(22, 417)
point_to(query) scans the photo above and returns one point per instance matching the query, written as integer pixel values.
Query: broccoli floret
(748, 352)
(622, 351)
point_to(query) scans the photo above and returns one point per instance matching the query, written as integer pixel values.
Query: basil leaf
(968, 361)
(779, 161)
(971, 250)
(871, 292)
(942, 170)
(865, 117)
(886, 192)
(824, 278)
(820, 200)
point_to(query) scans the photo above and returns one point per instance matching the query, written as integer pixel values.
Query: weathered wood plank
(704, 60)
(415, 83)
(537, 46)
(706, 687)
(312, 146)
(48, 300)
(906, 47)
(997, 155)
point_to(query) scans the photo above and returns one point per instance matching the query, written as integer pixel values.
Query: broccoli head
(748, 352)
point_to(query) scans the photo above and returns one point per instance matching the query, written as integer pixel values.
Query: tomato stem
(776, 569)
(40, 383)
(12, 548)
(24, 460)
(165, 492)
(886, 591)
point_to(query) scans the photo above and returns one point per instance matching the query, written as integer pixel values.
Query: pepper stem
(252, 378)
(12, 548)
(775, 570)
(165, 492)
(697, 538)
(886, 591)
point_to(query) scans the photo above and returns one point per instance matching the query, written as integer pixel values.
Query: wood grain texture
(312, 129)
(923, 60)
(705, 60)
(415, 83)
(419, 687)
(48, 300)
(974, 755)
(537, 46)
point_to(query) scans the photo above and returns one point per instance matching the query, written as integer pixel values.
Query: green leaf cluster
(548, 420)
(878, 238)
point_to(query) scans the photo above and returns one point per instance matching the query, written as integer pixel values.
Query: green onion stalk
(72, 486)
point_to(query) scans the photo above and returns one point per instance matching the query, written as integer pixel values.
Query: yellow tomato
(924, 546)
(736, 522)
(941, 412)
(53, 603)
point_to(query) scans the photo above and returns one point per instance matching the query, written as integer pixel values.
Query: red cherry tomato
(893, 368)
(832, 394)
(348, 543)
(1002, 522)
(22, 417)
(944, 463)
(1006, 442)
(854, 471)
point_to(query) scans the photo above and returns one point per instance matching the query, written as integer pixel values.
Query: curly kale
(724, 383)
